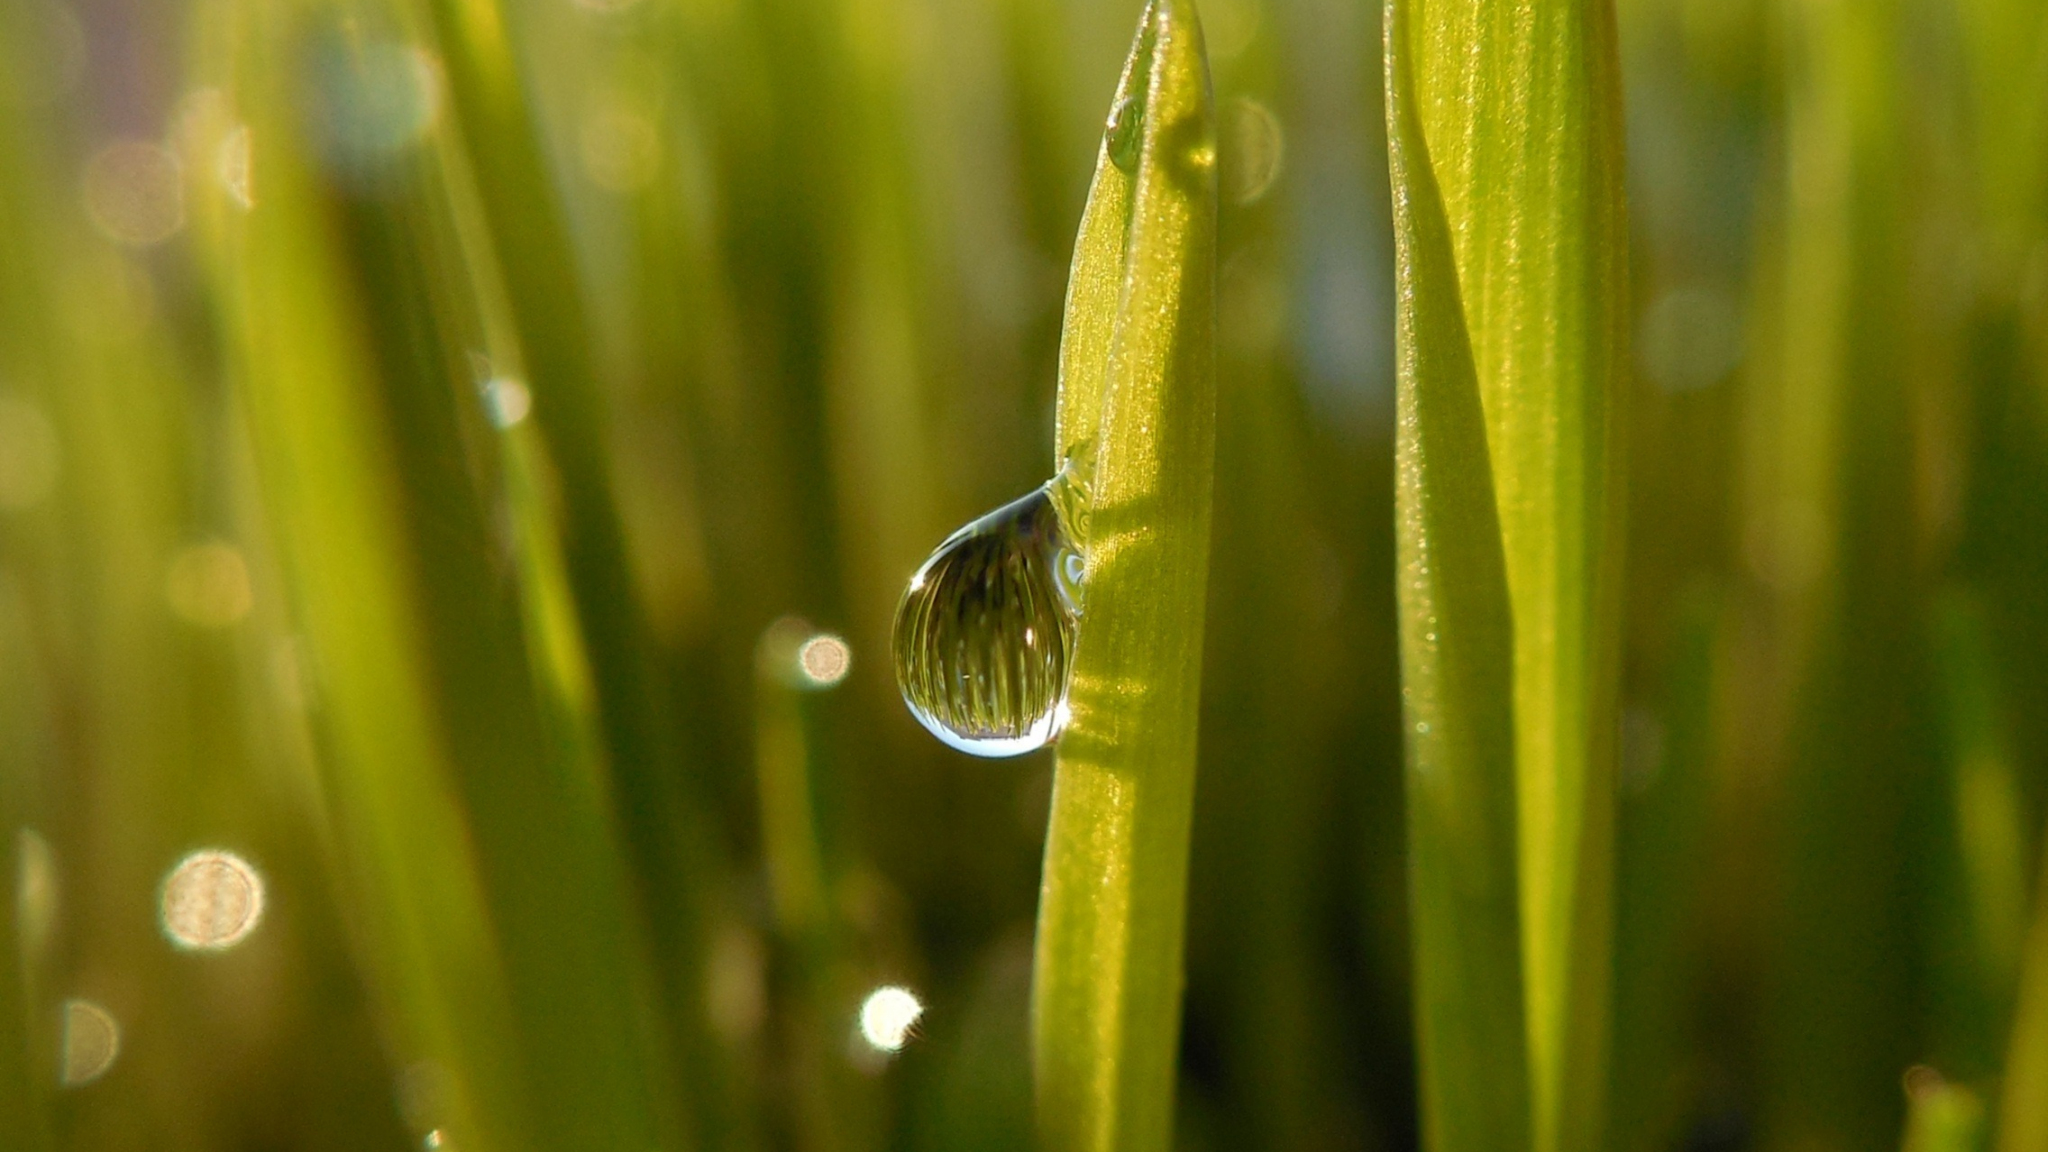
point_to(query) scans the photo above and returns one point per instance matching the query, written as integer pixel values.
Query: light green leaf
(1519, 110)
(1457, 649)
(1137, 423)
(450, 685)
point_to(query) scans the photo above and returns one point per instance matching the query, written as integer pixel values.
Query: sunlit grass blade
(27, 1028)
(1457, 662)
(1519, 106)
(27, 1024)
(1846, 701)
(414, 884)
(360, 314)
(653, 802)
(1976, 912)
(1137, 416)
(2023, 1093)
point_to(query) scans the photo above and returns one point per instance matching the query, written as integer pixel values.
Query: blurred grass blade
(1978, 912)
(27, 1028)
(1520, 109)
(831, 1107)
(334, 505)
(27, 1024)
(654, 804)
(457, 746)
(1457, 660)
(1848, 706)
(2023, 1095)
(1137, 397)
(1667, 765)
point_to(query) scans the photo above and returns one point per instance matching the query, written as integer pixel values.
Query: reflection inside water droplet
(985, 632)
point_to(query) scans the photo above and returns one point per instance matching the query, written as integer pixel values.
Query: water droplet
(986, 630)
(1125, 132)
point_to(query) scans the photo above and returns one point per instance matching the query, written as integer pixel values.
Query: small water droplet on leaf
(1125, 132)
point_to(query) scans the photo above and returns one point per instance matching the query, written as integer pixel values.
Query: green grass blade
(833, 1106)
(1137, 382)
(1665, 815)
(1846, 706)
(2023, 1097)
(1520, 107)
(453, 702)
(1457, 659)
(1977, 912)
(653, 803)
(26, 1023)
(407, 870)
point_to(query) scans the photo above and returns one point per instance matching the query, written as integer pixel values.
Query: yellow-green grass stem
(654, 802)
(1457, 651)
(486, 893)
(1137, 419)
(1519, 108)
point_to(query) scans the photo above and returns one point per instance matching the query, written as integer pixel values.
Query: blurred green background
(431, 430)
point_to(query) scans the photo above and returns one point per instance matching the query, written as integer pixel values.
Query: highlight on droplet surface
(985, 631)
(889, 1016)
(208, 585)
(91, 1041)
(211, 901)
(824, 659)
